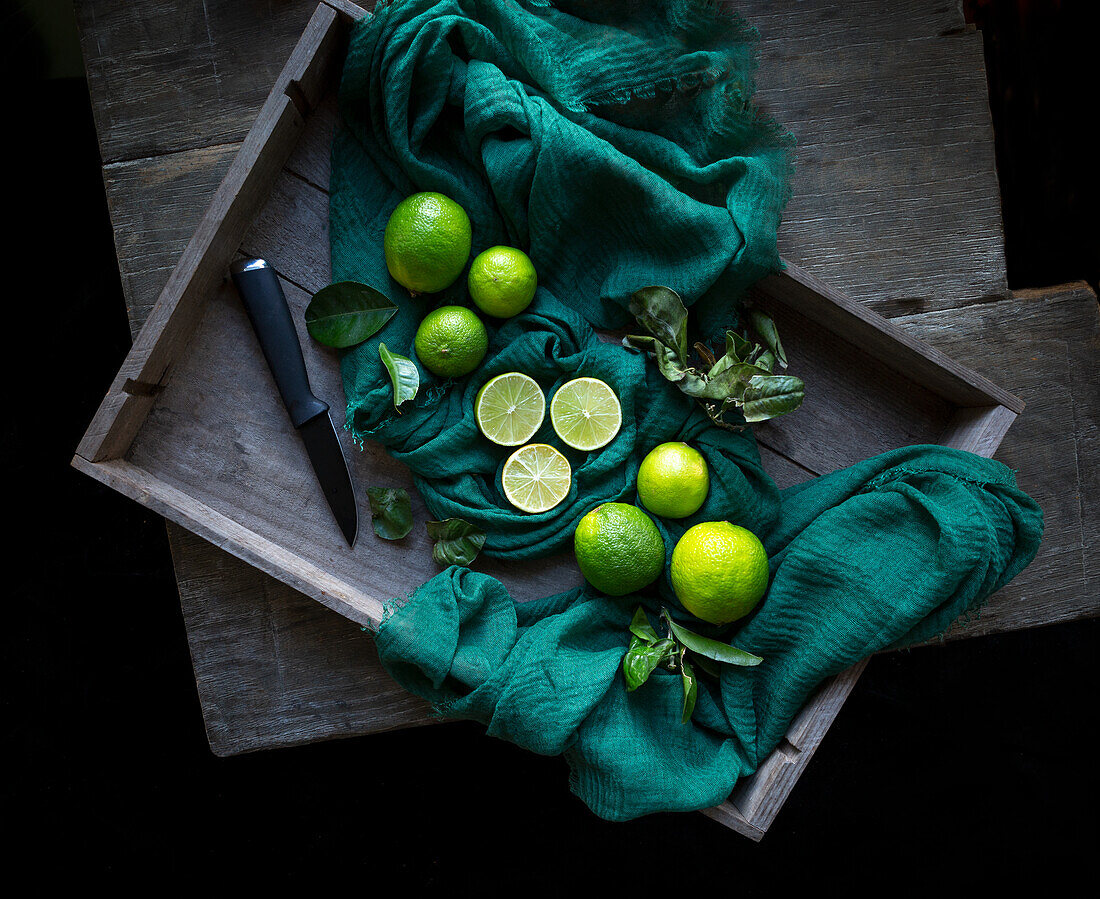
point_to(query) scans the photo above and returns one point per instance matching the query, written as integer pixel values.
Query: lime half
(536, 477)
(586, 413)
(509, 408)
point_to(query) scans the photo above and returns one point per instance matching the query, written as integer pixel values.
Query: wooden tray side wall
(984, 411)
(204, 263)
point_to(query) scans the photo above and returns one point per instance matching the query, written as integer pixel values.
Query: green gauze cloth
(616, 143)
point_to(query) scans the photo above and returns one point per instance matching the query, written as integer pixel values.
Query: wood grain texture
(1043, 345)
(894, 168)
(311, 67)
(168, 77)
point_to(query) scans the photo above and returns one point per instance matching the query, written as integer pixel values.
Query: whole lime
(719, 571)
(673, 480)
(618, 548)
(502, 281)
(427, 242)
(451, 341)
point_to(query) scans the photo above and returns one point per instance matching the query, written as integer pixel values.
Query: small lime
(673, 480)
(586, 413)
(502, 281)
(451, 341)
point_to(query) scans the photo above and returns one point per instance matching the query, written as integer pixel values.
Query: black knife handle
(263, 297)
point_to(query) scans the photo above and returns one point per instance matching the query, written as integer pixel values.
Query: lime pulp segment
(536, 478)
(586, 413)
(510, 408)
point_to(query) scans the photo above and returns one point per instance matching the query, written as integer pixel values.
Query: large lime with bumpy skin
(719, 571)
(427, 242)
(619, 549)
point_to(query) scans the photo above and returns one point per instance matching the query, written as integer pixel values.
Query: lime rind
(510, 409)
(586, 414)
(536, 477)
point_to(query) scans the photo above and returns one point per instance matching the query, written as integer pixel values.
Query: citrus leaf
(390, 512)
(641, 628)
(457, 542)
(709, 666)
(347, 313)
(712, 649)
(691, 690)
(642, 659)
(765, 327)
(723, 383)
(769, 396)
(737, 346)
(662, 313)
(403, 374)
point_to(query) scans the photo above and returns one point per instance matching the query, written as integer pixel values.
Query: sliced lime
(509, 408)
(586, 413)
(536, 477)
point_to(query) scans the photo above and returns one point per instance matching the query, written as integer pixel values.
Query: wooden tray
(193, 428)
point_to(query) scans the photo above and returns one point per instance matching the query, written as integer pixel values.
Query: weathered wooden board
(1044, 345)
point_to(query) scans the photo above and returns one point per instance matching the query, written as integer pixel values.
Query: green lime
(585, 413)
(451, 341)
(502, 281)
(618, 548)
(427, 242)
(509, 408)
(673, 480)
(719, 571)
(536, 478)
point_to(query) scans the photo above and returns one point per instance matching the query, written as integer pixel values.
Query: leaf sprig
(680, 650)
(454, 540)
(742, 378)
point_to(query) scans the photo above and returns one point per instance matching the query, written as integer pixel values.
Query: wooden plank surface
(1043, 345)
(272, 673)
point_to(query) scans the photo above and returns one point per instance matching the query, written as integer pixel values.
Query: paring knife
(258, 285)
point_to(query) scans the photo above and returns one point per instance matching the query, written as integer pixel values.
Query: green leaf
(390, 511)
(738, 347)
(691, 690)
(641, 628)
(457, 542)
(662, 313)
(403, 374)
(709, 666)
(642, 659)
(765, 327)
(347, 313)
(726, 382)
(670, 366)
(769, 396)
(712, 649)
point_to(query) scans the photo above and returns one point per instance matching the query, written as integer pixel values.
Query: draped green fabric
(617, 144)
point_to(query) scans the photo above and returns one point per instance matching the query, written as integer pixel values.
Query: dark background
(966, 765)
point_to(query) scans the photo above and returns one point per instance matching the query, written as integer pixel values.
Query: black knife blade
(265, 303)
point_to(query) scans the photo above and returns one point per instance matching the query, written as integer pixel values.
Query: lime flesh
(536, 478)
(586, 413)
(510, 408)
